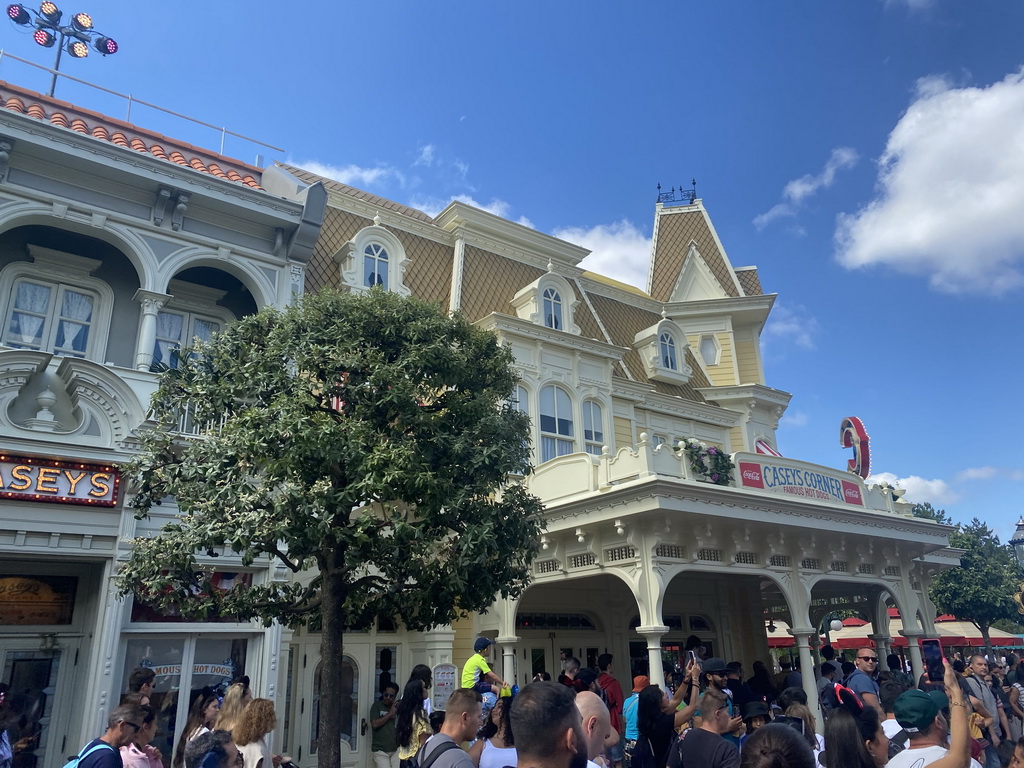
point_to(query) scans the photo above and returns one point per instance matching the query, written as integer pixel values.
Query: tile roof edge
(114, 123)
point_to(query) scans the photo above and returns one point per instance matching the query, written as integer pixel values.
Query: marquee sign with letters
(58, 482)
(787, 477)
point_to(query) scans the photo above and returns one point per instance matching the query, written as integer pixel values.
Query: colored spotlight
(16, 12)
(49, 11)
(105, 45)
(77, 49)
(44, 38)
(82, 22)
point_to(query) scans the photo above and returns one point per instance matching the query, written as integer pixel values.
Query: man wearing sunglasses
(122, 727)
(862, 680)
(383, 743)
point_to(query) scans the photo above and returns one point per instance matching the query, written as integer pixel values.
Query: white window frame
(351, 259)
(531, 302)
(554, 317)
(667, 350)
(193, 302)
(593, 434)
(563, 443)
(376, 253)
(649, 343)
(75, 273)
(718, 348)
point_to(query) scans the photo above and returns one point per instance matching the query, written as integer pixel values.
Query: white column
(882, 644)
(803, 647)
(508, 643)
(914, 647)
(151, 303)
(433, 647)
(656, 671)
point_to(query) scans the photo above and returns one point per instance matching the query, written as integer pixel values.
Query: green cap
(915, 710)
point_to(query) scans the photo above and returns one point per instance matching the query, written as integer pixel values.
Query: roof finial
(664, 312)
(551, 266)
(376, 219)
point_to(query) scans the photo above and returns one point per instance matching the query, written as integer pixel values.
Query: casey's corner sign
(786, 477)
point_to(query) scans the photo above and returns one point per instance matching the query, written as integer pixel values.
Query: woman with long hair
(803, 713)
(236, 698)
(412, 726)
(853, 735)
(423, 673)
(250, 734)
(776, 746)
(201, 717)
(140, 753)
(657, 721)
(495, 747)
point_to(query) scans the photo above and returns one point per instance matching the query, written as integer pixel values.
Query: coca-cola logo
(851, 493)
(750, 475)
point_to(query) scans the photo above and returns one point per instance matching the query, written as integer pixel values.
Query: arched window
(667, 346)
(521, 400)
(375, 266)
(593, 427)
(552, 309)
(556, 429)
(177, 329)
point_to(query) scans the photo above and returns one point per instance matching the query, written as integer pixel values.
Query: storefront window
(186, 663)
(32, 679)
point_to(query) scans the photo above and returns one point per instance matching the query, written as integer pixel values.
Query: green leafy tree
(981, 589)
(361, 441)
(927, 511)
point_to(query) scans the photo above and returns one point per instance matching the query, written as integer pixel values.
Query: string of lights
(75, 37)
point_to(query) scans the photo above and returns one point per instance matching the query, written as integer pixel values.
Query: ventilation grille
(619, 553)
(711, 555)
(580, 561)
(865, 568)
(669, 550)
(892, 570)
(548, 566)
(779, 561)
(746, 558)
(811, 563)
(839, 565)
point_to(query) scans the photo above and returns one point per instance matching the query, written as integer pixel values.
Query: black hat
(755, 709)
(714, 665)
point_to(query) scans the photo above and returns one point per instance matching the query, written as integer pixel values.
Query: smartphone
(793, 722)
(932, 652)
(691, 656)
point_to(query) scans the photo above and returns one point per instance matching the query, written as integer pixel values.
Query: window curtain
(168, 337)
(27, 329)
(76, 314)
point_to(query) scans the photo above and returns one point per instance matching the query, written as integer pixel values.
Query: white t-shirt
(920, 758)
(891, 727)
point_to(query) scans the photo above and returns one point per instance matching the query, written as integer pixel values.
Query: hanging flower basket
(708, 462)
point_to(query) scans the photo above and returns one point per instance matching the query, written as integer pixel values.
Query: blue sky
(867, 156)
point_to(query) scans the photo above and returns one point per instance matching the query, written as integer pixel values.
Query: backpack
(643, 754)
(898, 743)
(74, 761)
(414, 761)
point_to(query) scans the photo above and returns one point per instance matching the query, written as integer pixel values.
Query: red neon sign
(853, 435)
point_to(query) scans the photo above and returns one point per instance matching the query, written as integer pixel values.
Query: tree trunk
(988, 645)
(333, 590)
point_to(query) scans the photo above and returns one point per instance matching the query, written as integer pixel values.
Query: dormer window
(549, 301)
(552, 309)
(668, 352)
(374, 257)
(663, 347)
(375, 266)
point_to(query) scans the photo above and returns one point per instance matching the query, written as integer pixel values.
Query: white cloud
(352, 174)
(808, 185)
(426, 156)
(950, 191)
(790, 325)
(976, 473)
(618, 250)
(434, 205)
(919, 490)
(795, 419)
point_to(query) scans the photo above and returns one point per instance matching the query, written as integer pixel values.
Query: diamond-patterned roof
(109, 129)
(750, 281)
(489, 282)
(676, 230)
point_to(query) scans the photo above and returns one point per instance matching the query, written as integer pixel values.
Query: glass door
(40, 682)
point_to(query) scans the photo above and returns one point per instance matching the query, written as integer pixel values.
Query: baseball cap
(481, 643)
(714, 665)
(640, 682)
(915, 709)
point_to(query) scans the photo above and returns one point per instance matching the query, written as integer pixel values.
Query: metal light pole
(49, 31)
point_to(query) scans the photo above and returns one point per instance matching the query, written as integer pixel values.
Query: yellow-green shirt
(474, 671)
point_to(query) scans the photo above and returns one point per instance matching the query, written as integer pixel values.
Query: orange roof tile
(65, 115)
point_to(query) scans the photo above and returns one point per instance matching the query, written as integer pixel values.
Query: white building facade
(117, 246)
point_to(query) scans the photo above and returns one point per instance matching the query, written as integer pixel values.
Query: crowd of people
(711, 718)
